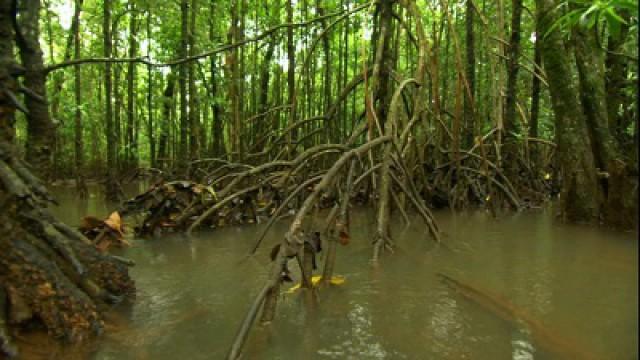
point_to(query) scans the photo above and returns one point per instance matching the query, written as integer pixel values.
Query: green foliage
(589, 13)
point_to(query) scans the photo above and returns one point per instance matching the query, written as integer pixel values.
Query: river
(578, 283)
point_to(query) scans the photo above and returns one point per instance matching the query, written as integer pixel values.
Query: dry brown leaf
(115, 222)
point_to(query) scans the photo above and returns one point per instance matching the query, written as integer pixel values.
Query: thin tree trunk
(380, 75)
(291, 71)
(535, 99)
(79, 145)
(182, 81)
(616, 77)
(333, 128)
(510, 118)
(111, 184)
(150, 127)
(165, 126)
(535, 90)
(264, 86)
(217, 136)
(470, 73)
(194, 116)
(233, 76)
(131, 146)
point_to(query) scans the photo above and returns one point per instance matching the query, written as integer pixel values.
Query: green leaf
(612, 16)
(614, 25)
(564, 22)
(626, 4)
(584, 19)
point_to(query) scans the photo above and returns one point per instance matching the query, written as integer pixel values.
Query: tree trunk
(470, 73)
(594, 99)
(233, 76)
(194, 116)
(167, 105)
(79, 144)
(291, 71)
(112, 191)
(511, 127)
(333, 128)
(195, 138)
(132, 147)
(580, 198)
(7, 118)
(182, 82)
(380, 75)
(535, 100)
(217, 136)
(616, 76)
(535, 89)
(150, 127)
(264, 86)
(40, 128)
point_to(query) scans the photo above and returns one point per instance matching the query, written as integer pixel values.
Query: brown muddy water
(575, 290)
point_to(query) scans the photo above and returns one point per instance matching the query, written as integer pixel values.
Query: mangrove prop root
(49, 273)
(6, 343)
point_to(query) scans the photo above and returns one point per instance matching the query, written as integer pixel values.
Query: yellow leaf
(114, 221)
(335, 280)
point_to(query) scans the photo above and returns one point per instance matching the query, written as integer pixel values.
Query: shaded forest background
(222, 102)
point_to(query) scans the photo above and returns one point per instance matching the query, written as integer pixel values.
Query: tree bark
(535, 89)
(470, 73)
(291, 71)
(535, 100)
(182, 81)
(511, 127)
(594, 99)
(111, 183)
(150, 124)
(616, 74)
(167, 106)
(217, 135)
(40, 127)
(380, 75)
(580, 198)
(7, 118)
(264, 86)
(132, 146)
(333, 128)
(79, 143)
(194, 115)
(233, 76)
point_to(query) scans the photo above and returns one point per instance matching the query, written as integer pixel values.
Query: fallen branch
(504, 309)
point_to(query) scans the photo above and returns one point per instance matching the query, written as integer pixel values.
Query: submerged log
(544, 337)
